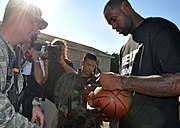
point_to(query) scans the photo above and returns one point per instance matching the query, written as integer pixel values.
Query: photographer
(32, 72)
(57, 65)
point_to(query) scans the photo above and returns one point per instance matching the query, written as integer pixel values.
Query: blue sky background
(82, 21)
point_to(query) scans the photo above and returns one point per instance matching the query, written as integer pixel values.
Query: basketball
(86, 90)
(115, 104)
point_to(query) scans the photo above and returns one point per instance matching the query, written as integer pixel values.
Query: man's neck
(85, 75)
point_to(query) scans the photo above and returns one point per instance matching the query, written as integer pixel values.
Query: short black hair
(91, 56)
(114, 4)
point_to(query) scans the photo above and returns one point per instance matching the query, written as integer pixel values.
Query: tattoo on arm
(156, 85)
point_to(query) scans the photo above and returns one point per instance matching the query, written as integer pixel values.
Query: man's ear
(125, 7)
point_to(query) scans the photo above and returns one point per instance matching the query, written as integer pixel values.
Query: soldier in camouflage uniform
(21, 23)
(68, 92)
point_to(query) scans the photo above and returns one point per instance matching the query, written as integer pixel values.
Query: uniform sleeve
(61, 92)
(3, 69)
(63, 89)
(9, 118)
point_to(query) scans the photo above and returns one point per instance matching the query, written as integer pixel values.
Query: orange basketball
(86, 90)
(115, 104)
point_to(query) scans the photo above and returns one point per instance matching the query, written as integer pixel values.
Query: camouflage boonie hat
(30, 9)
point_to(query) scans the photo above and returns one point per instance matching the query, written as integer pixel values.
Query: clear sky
(82, 21)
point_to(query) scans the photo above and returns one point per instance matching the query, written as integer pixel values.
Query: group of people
(38, 68)
(149, 70)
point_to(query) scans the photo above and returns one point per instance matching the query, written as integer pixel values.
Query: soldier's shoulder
(3, 50)
(70, 75)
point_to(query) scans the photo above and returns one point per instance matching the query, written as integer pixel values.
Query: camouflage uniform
(8, 117)
(71, 85)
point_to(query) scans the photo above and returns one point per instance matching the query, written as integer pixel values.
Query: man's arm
(155, 85)
(38, 73)
(164, 85)
(66, 67)
(8, 116)
(37, 116)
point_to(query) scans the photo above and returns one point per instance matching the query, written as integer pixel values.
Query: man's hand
(109, 81)
(93, 111)
(37, 115)
(66, 113)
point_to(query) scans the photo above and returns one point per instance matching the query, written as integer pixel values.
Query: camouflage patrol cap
(30, 9)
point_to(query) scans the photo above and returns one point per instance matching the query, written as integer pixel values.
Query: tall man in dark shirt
(153, 49)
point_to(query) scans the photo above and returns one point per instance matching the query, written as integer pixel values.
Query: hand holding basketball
(115, 104)
(93, 111)
(86, 90)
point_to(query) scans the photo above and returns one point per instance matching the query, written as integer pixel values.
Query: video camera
(37, 45)
(54, 52)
